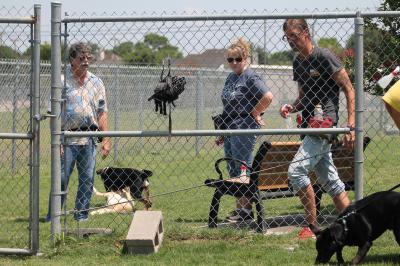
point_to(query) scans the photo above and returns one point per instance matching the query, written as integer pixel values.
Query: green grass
(175, 165)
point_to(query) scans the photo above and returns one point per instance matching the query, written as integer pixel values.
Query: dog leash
(370, 201)
(344, 217)
(67, 212)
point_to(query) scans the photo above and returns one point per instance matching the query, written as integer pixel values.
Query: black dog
(115, 179)
(360, 224)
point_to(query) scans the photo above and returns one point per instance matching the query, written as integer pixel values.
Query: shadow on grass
(188, 220)
(393, 258)
(21, 220)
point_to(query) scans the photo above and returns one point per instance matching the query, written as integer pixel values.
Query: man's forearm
(342, 79)
(350, 109)
(103, 124)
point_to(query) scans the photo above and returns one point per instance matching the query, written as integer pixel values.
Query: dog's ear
(315, 229)
(337, 232)
(146, 174)
(99, 171)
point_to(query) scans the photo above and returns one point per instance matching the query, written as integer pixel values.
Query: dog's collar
(342, 220)
(346, 229)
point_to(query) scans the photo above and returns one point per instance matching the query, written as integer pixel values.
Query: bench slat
(275, 164)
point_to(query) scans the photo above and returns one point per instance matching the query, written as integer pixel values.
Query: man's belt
(90, 128)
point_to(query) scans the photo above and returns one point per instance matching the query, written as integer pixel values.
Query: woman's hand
(259, 120)
(219, 140)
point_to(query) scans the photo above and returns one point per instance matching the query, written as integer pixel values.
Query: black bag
(167, 90)
(221, 121)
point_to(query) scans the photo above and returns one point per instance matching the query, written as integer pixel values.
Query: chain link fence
(181, 163)
(128, 54)
(19, 230)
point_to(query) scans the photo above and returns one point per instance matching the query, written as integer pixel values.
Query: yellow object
(392, 96)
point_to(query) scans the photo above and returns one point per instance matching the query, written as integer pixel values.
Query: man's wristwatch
(352, 127)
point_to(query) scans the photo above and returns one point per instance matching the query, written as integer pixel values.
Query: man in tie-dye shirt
(84, 109)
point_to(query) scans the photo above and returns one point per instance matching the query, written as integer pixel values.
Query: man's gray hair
(77, 49)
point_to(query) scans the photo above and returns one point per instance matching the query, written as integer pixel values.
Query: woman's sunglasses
(231, 59)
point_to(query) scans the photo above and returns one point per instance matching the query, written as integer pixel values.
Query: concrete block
(145, 233)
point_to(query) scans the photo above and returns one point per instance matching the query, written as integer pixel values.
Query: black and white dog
(123, 185)
(360, 224)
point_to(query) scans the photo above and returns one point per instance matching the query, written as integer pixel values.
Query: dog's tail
(96, 192)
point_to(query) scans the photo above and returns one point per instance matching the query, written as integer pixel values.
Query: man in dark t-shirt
(314, 75)
(320, 76)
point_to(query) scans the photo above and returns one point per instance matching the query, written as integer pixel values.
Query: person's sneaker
(241, 216)
(46, 219)
(232, 214)
(306, 233)
(82, 219)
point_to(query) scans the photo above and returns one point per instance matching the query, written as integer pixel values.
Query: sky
(170, 7)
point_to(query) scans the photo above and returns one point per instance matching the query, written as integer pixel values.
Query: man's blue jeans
(241, 148)
(84, 156)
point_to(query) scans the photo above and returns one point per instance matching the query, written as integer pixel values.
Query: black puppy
(115, 178)
(358, 225)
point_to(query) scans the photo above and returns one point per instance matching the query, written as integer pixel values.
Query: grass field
(176, 165)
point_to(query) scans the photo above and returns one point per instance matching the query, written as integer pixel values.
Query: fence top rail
(16, 136)
(18, 20)
(191, 133)
(322, 15)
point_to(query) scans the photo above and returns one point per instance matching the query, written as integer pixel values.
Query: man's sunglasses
(231, 59)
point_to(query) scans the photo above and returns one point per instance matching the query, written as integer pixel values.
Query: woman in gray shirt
(245, 98)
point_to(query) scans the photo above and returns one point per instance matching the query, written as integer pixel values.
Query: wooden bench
(268, 178)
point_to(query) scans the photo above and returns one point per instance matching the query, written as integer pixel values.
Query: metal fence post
(359, 106)
(117, 97)
(35, 96)
(56, 118)
(14, 117)
(199, 107)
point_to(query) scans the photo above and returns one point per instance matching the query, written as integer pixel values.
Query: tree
(152, 50)
(332, 44)
(141, 54)
(123, 49)
(8, 53)
(381, 46)
(45, 51)
(281, 58)
(262, 55)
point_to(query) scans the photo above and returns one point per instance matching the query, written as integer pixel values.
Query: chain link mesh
(15, 84)
(128, 57)
(198, 51)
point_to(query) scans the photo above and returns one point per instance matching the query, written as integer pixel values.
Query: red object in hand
(298, 119)
(316, 123)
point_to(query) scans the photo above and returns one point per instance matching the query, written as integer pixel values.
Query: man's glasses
(85, 56)
(237, 59)
(292, 36)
